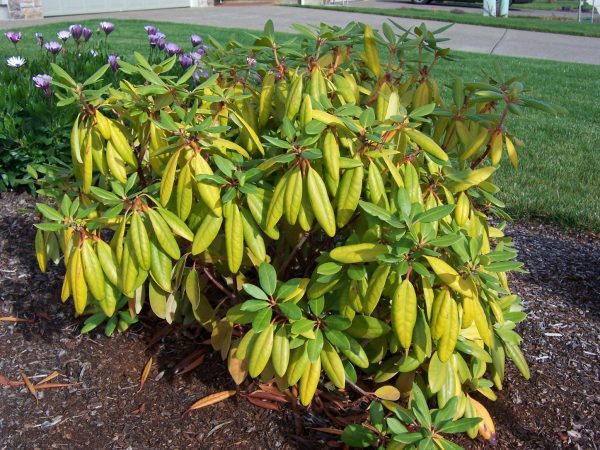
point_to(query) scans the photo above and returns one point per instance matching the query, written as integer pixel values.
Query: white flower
(16, 61)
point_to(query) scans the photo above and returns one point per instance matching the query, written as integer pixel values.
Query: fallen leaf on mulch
(145, 373)
(211, 399)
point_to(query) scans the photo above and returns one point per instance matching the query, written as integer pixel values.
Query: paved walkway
(472, 38)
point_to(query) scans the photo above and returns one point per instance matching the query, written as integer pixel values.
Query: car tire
(421, 2)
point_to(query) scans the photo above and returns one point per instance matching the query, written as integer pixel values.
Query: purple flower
(200, 73)
(113, 61)
(251, 62)
(196, 40)
(53, 47)
(172, 48)
(76, 31)
(157, 40)
(186, 61)
(16, 61)
(150, 29)
(39, 39)
(197, 56)
(13, 36)
(42, 81)
(87, 34)
(257, 78)
(64, 35)
(107, 27)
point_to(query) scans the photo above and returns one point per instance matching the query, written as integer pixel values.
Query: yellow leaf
(388, 393)
(52, 376)
(30, 386)
(145, 373)
(212, 399)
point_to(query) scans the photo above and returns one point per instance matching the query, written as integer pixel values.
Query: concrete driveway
(470, 38)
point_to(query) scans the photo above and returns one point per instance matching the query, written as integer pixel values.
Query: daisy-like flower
(76, 31)
(64, 35)
(87, 34)
(13, 36)
(39, 39)
(150, 29)
(172, 48)
(107, 27)
(196, 40)
(42, 81)
(197, 56)
(157, 40)
(16, 61)
(113, 61)
(53, 47)
(186, 61)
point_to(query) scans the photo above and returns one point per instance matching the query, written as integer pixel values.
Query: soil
(106, 409)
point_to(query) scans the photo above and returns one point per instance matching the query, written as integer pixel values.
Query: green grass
(559, 177)
(544, 24)
(548, 6)
(536, 5)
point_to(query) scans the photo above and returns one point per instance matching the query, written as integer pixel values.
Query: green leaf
(434, 214)
(314, 346)
(340, 323)
(441, 416)
(408, 438)
(329, 268)
(504, 266)
(421, 111)
(446, 240)
(46, 226)
(337, 339)
(49, 212)
(107, 197)
(460, 426)
(111, 325)
(96, 76)
(62, 75)
(254, 305)
(395, 426)
(302, 326)
(262, 319)
(358, 436)
(254, 291)
(268, 278)
(92, 322)
(419, 407)
(376, 414)
(288, 288)
(381, 213)
(290, 310)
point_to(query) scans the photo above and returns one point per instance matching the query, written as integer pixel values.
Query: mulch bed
(105, 408)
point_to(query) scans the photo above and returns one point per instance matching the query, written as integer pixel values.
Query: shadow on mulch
(557, 408)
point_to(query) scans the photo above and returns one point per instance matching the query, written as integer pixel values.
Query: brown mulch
(558, 408)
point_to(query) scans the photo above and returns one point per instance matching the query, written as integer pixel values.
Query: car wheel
(421, 2)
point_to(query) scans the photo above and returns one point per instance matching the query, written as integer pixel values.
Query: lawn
(546, 5)
(536, 5)
(558, 177)
(545, 24)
